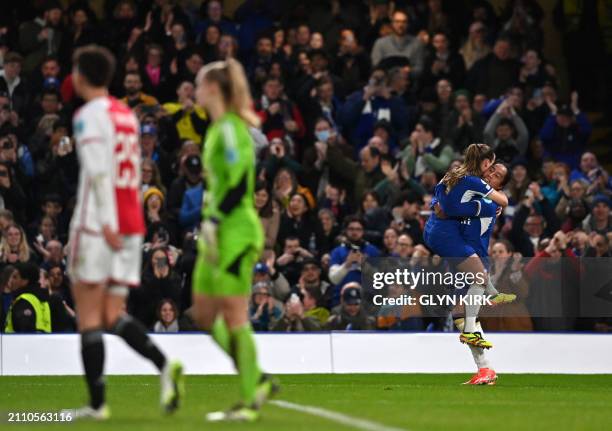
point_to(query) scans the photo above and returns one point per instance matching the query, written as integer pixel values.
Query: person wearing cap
(280, 287)
(264, 309)
(310, 279)
(566, 132)
(350, 315)
(153, 200)
(600, 219)
(152, 150)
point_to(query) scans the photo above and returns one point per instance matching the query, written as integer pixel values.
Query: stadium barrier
(336, 352)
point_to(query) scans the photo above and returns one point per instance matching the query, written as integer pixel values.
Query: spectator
(266, 272)
(390, 242)
(493, 74)
(327, 231)
(360, 178)
(507, 277)
(528, 228)
(400, 44)
(159, 281)
(268, 212)
(13, 86)
(13, 196)
(42, 36)
(350, 315)
(264, 311)
(14, 246)
(347, 259)
(190, 176)
(294, 318)
(30, 310)
(280, 117)
(352, 63)
(600, 219)
(296, 221)
(134, 96)
(427, 150)
(151, 176)
(475, 47)
(565, 132)
(364, 108)
(152, 150)
(463, 126)
(167, 315)
(290, 262)
(592, 173)
(406, 215)
(189, 119)
(506, 133)
(442, 63)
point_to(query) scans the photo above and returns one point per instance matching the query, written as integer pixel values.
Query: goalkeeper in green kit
(231, 238)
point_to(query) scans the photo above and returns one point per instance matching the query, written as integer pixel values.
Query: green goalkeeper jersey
(229, 166)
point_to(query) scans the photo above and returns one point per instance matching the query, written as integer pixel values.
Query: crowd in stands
(364, 105)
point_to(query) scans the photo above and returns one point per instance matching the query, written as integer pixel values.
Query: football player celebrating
(106, 231)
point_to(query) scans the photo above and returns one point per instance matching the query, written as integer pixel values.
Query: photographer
(347, 259)
(159, 281)
(290, 262)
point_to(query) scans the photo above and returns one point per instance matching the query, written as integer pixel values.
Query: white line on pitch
(340, 418)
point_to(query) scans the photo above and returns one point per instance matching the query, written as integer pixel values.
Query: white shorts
(92, 261)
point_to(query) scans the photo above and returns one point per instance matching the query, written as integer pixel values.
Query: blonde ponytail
(230, 76)
(474, 155)
(241, 100)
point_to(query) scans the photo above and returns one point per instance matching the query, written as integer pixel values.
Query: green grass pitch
(406, 401)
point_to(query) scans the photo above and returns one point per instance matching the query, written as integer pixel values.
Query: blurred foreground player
(106, 231)
(231, 238)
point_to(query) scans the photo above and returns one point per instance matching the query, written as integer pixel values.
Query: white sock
(490, 289)
(478, 353)
(472, 306)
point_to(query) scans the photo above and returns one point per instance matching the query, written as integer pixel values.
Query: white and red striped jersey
(108, 148)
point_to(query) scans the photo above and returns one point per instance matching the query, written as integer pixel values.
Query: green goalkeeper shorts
(232, 275)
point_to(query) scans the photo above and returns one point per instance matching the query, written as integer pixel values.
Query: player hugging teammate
(466, 202)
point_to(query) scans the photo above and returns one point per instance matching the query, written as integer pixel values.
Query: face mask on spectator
(323, 135)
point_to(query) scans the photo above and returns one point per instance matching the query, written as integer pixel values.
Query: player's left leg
(255, 386)
(470, 335)
(135, 335)
(486, 374)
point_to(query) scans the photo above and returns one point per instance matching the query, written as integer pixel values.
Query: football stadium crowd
(364, 106)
